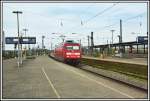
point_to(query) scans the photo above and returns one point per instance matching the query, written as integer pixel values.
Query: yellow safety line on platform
(98, 82)
(51, 84)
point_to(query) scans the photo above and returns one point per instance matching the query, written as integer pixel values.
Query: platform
(140, 61)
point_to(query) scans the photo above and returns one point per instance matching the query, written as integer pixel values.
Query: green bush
(8, 54)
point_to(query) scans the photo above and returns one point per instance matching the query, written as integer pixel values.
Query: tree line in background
(7, 54)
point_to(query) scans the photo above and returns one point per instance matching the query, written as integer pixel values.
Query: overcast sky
(65, 19)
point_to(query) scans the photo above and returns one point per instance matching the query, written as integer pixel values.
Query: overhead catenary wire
(98, 14)
(82, 22)
(124, 20)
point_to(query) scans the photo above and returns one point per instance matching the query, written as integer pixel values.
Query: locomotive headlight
(68, 53)
(77, 53)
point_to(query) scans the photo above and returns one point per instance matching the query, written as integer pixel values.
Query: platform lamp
(19, 59)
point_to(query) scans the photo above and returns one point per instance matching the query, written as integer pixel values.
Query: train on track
(68, 52)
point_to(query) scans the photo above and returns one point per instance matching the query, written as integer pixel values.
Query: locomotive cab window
(69, 47)
(75, 47)
(72, 47)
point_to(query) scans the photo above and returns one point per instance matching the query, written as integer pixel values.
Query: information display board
(22, 40)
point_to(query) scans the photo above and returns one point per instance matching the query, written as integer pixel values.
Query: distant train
(68, 52)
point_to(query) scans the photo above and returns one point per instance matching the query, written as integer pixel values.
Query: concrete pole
(112, 35)
(19, 59)
(121, 49)
(43, 44)
(112, 41)
(120, 31)
(21, 50)
(18, 41)
(51, 46)
(25, 30)
(88, 43)
(3, 41)
(92, 43)
(80, 45)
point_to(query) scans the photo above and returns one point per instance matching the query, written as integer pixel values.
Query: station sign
(142, 39)
(22, 40)
(11, 40)
(28, 40)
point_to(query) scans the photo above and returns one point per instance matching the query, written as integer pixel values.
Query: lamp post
(52, 44)
(18, 12)
(43, 47)
(112, 35)
(25, 30)
(112, 41)
(21, 46)
(119, 42)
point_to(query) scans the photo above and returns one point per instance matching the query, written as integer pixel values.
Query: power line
(134, 17)
(100, 13)
(110, 25)
(125, 20)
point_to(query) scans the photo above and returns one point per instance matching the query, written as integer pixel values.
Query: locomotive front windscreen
(72, 47)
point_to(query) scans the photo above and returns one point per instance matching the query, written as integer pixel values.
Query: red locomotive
(68, 52)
